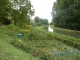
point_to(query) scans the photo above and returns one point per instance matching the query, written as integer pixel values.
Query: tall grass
(68, 40)
(35, 34)
(72, 33)
(63, 38)
(37, 42)
(8, 52)
(43, 44)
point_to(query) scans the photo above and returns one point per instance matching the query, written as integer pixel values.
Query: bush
(28, 27)
(46, 56)
(24, 31)
(45, 27)
(5, 21)
(35, 34)
(38, 24)
(13, 27)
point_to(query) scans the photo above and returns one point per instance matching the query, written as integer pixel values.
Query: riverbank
(71, 41)
(7, 50)
(40, 43)
(72, 33)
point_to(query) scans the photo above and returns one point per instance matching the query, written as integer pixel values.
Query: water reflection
(50, 29)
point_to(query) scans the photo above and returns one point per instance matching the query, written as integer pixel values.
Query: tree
(36, 19)
(5, 9)
(22, 10)
(45, 21)
(66, 14)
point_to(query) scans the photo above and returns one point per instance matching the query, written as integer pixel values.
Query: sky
(43, 8)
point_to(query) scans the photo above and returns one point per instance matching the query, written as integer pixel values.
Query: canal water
(50, 29)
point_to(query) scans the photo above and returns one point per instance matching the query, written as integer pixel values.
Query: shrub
(46, 56)
(24, 31)
(45, 27)
(17, 43)
(38, 24)
(13, 27)
(28, 27)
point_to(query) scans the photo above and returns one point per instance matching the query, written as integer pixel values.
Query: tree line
(17, 12)
(40, 21)
(66, 14)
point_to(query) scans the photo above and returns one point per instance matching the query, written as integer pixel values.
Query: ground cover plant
(48, 49)
(71, 41)
(40, 43)
(7, 50)
(72, 33)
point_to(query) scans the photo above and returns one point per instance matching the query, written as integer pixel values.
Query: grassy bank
(47, 49)
(7, 50)
(63, 38)
(52, 49)
(38, 43)
(72, 33)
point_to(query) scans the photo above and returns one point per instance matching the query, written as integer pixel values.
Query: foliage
(71, 33)
(45, 46)
(12, 27)
(36, 19)
(5, 10)
(22, 12)
(68, 40)
(48, 49)
(8, 52)
(8, 39)
(34, 34)
(66, 14)
(24, 31)
(45, 27)
(17, 12)
(65, 39)
(44, 21)
(51, 23)
(40, 21)
(28, 27)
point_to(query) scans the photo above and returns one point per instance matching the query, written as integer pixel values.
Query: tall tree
(5, 9)
(36, 19)
(40, 21)
(22, 10)
(67, 14)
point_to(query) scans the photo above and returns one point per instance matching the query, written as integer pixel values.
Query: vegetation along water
(24, 38)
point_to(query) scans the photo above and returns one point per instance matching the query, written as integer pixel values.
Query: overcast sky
(43, 8)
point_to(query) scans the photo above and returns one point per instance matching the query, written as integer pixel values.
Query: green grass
(48, 49)
(72, 33)
(71, 41)
(38, 43)
(51, 49)
(7, 51)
